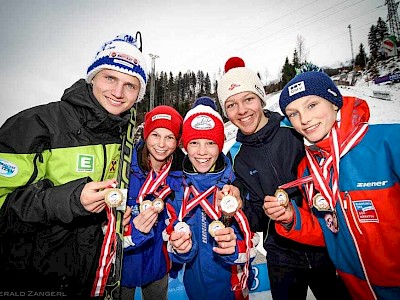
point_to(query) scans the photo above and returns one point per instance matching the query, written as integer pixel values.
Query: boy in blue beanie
(350, 180)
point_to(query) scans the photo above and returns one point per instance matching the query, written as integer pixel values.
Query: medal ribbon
(199, 198)
(151, 184)
(321, 173)
(108, 252)
(245, 227)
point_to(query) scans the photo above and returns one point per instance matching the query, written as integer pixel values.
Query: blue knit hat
(205, 101)
(310, 83)
(121, 54)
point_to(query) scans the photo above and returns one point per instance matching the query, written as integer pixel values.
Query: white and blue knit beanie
(121, 54)
(310, 83)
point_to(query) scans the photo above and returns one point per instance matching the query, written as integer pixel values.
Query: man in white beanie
(57, 162)
(267, 158)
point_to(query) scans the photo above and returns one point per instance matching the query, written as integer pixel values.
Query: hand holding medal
(226, 241)
(146, 219)
(229, 201)
(277, 207)
(181, 238)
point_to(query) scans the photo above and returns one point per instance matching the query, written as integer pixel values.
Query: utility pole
(393, 18)
(351, 45)
(153, 79)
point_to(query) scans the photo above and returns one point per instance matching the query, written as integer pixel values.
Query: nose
(117, 91)
(161, 142)
(241, 108)
(202, 149)
(305, 118)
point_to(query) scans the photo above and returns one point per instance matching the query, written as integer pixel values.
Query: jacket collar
(265, 134)
(91, 114)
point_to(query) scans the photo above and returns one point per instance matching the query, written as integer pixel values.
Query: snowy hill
(382, 111)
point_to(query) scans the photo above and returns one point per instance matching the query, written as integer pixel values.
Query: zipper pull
(346, 194)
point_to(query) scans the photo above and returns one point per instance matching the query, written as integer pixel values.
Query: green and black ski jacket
(48, 242)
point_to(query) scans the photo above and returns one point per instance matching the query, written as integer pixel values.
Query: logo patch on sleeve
(8, 169)
(113, 166)
(85, 163)
(365, 211)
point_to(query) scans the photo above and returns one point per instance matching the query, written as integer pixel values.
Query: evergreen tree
(381, 29)
(288, 72)
(373, 41)
(361, 57)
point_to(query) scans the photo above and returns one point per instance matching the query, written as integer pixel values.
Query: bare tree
(302, 51)
(266, 75)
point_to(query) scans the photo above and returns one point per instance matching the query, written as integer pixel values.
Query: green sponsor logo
(85, 163)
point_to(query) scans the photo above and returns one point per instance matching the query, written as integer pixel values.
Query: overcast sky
(46, 45)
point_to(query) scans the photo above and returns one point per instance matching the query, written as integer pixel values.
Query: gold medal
(158, 203)
(282, 196)
(229, 205)
(214, 226)
(146, 204)
(320, 203)
(114, 197)
(182, 227)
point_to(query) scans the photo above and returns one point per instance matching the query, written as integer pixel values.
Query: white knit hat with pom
(238, 79)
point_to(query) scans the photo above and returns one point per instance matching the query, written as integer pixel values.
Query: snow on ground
(382, 111)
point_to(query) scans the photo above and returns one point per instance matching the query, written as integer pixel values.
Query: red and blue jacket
(365, 249)
(145, 255)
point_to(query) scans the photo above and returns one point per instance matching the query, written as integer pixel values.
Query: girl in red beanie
(155, 181)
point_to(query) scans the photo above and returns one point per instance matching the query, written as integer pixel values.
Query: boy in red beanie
(215, 242)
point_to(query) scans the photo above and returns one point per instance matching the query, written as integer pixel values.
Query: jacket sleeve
(305, 229)
(24, 189)
(136, 238)
(43, 203)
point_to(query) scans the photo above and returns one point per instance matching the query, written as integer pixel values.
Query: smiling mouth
(311, 128)
(245, 119)
(202, 160)
(115, 102)
(160, 151)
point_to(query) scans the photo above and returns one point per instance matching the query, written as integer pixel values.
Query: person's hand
(181, 241)
(229, 189)
(93, 194)
(277, 212)
(146, 220)
(226, 241)
(126, 217)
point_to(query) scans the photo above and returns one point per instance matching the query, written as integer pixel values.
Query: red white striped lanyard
(328, 169)
(199, 198)
(153, 182)
(107, 256)
(321, 171)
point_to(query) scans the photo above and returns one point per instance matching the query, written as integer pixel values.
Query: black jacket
(48, 241)
(265, 160)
